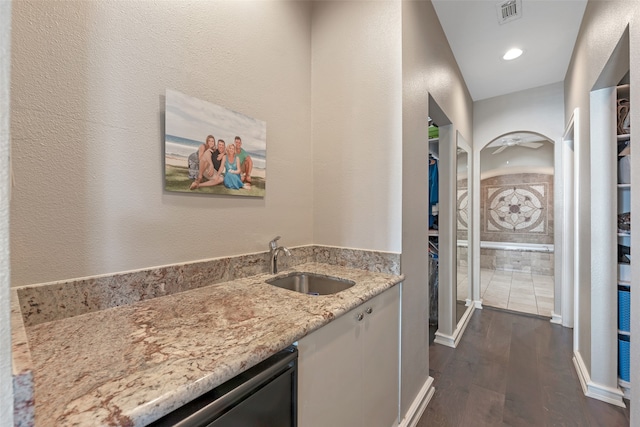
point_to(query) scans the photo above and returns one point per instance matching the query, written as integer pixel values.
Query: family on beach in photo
(215, 163)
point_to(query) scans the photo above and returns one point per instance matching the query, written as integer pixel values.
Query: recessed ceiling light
(512, 54)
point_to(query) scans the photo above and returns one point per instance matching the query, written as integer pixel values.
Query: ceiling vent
(509, 10)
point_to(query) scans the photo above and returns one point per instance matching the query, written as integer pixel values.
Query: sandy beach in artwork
(181, 162)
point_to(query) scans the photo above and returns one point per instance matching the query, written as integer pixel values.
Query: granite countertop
(130, 365)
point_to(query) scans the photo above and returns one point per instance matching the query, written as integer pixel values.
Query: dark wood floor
(512, 370)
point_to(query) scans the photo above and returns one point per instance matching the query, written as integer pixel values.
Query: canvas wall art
(210, 149)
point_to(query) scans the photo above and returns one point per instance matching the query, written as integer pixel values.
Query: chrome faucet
(275, 251)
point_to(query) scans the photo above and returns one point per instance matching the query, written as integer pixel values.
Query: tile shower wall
(462, 209)
(517, 208)
(527, 261)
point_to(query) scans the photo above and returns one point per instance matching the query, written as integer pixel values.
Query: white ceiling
(546, 32)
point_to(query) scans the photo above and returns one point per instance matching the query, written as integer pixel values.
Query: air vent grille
(509, 10)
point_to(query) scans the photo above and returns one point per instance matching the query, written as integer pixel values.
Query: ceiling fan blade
(531, 144)
(500, 150)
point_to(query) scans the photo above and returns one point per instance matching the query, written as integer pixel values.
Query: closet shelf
(623, 90)
(623, 150)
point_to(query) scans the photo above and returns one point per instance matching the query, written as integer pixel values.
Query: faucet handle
(272, 244)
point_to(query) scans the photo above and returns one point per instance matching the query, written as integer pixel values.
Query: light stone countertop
(130, 365)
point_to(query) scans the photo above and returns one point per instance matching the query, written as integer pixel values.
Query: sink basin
(312, 284)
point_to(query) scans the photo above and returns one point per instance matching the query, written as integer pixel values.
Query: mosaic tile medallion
(520, 208)
(463, 209)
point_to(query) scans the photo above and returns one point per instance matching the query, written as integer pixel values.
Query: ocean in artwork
(178, 150)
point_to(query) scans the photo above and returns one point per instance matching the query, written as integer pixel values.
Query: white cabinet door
(348, 369)
(380, 347)
(329, 375)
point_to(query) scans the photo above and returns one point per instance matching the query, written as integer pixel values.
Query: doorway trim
(566, 298)
(476, 207)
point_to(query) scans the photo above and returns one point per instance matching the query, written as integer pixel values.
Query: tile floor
(513, 290)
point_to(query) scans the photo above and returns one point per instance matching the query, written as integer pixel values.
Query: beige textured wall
(88, 118)
(603, 25)
(428, 68)
(6, 389)
(88, 88)
(357, 123)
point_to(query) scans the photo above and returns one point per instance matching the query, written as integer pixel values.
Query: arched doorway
(517, 223)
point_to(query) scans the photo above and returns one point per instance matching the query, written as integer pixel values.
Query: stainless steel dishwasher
(263, 396)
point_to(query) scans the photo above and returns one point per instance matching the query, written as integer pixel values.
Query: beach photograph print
(210, 149)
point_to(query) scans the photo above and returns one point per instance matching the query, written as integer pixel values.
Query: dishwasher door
(263, 396)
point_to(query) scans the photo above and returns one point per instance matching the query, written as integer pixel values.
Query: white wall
(603, 25)
(428, 68)
(537, 110)
(516, 160)
(88, 90)
(602, 28)
(357, 124)
(6, 383)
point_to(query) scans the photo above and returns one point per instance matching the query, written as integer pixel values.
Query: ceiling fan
(505, 143)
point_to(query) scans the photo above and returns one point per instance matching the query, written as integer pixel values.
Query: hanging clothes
(433, 188)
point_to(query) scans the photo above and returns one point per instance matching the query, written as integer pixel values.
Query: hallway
(512, 370)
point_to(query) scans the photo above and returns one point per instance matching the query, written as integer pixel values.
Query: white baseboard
(556, 318)
(581, 370)
(419, 404)
(462, 324)
(601, 392)
(453, 340)
(446, 340)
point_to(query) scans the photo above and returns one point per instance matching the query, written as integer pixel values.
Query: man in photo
(246, 163)
(217, 155)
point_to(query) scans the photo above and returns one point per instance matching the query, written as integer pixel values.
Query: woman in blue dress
(232, 170)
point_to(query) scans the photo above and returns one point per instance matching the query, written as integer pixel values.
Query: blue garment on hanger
(433, 182)
(433, 187)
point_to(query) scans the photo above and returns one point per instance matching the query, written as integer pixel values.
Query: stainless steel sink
(312, 284)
